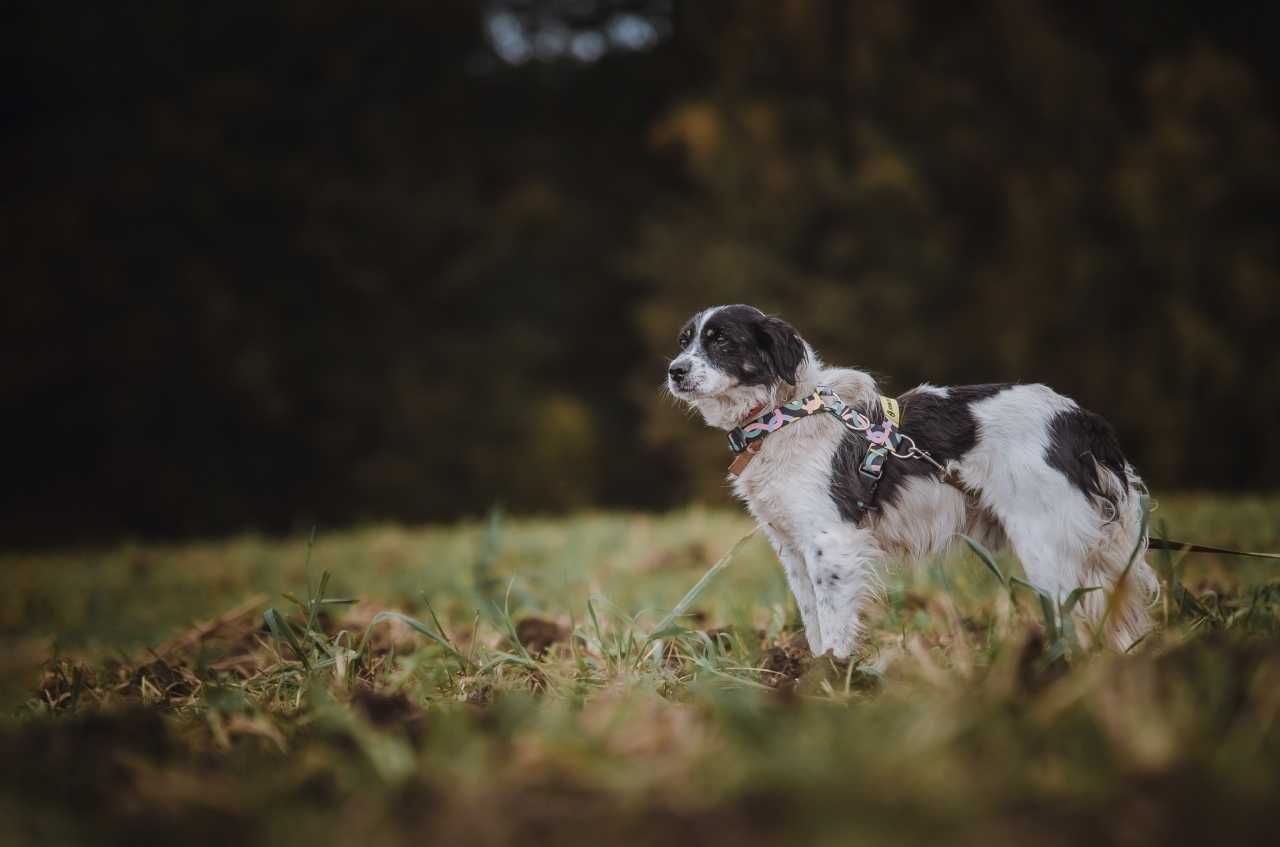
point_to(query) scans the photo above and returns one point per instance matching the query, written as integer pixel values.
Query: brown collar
(749, 448)
(740, 461)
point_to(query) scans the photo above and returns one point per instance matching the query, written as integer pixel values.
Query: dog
(1010, 465)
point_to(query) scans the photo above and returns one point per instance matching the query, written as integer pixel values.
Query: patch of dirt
(786, 667)
(385, 709)
(836, 673)
(480, 695)
(537, 635)
(180, 673)
(64, 682)
(788, 660)
(1033, 674)
(163, 682)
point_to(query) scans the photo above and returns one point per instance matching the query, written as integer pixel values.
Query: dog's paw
(827, 675)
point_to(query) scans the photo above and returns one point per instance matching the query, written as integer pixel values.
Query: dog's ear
(783, 350)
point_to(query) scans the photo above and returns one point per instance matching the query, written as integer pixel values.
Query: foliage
(290, 263)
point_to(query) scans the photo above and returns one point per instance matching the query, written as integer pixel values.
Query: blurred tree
(984, 198)
(273, 263)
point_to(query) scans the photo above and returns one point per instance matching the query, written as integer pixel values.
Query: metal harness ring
(861, 424)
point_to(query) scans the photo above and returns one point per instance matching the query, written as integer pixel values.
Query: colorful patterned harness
(884, 439)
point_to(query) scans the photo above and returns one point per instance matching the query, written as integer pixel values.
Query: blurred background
(275, 263)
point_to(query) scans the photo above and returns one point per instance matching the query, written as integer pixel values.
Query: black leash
(1170, 544)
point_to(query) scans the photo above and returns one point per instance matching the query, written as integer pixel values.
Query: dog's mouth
(685, 390)
(690, 390)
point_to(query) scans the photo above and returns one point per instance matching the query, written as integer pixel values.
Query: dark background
(272, 263)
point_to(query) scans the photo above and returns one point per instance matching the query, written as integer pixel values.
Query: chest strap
(884, 439)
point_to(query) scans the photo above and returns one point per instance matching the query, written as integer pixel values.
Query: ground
(622, 679)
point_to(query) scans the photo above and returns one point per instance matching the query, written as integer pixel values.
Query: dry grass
(544, 681)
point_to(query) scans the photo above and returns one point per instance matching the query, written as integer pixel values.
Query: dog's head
(733, 358)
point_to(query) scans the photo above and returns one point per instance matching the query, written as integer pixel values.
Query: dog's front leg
(801, 584)
(841, 562)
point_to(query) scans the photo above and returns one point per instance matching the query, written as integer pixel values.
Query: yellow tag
(891, 410)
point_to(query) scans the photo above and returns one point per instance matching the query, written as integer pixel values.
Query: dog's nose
(678, 372)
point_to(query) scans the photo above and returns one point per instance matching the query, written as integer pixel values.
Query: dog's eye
(684, 338)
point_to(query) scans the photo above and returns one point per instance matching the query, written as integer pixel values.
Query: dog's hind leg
(842, 563)
(1051, 554)
(793, 565)
(1071, 546)
(1121, 613)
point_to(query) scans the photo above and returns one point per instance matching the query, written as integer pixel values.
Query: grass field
(536, 689)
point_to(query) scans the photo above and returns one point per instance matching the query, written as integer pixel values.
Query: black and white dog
(1021, 465)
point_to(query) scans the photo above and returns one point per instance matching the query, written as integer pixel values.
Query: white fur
(1063, 538)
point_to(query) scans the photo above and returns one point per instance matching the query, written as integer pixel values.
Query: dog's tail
(1118, 564)
(1102, 465)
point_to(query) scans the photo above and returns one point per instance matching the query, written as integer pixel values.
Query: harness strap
(743, 436)
(823, 399)
(884, 439)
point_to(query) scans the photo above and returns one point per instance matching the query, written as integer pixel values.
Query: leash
(1170, 544)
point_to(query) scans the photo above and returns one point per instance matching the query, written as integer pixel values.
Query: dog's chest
(787, 486)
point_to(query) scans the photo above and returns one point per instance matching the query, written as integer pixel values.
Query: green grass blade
(671, 630)
(1047, 610)
(707, 667)
(595, 624)
(502, 617)
(283, 632)
(692, 594)
(316, 601)
(436, 620)
(987, 559)
(1050, 615)
(306, 562)
(414, 624)
(1076, 596)
(505, 658)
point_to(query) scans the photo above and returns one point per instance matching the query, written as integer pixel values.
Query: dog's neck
(735, 407)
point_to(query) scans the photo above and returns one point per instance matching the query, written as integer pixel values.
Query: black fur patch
(752, 347)
(782, 347)
(1078, 439)
(942, 425)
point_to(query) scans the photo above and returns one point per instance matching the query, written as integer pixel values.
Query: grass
(622, 678)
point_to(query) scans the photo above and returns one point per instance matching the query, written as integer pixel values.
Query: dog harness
(884, 439)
